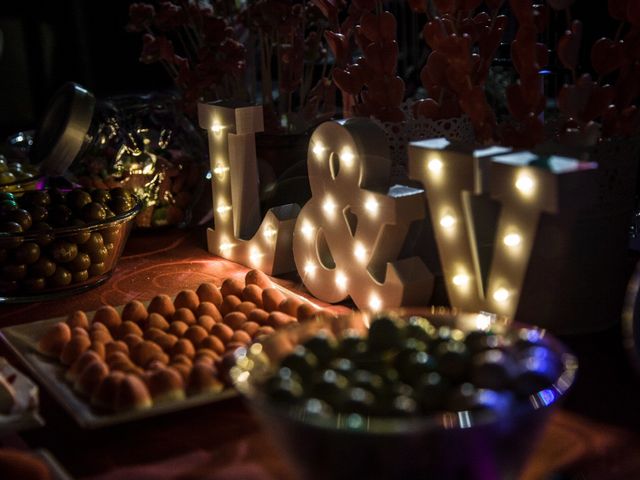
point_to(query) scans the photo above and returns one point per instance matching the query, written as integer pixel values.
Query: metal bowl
(444, 445)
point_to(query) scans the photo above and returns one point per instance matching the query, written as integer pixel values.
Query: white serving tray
(23, 339)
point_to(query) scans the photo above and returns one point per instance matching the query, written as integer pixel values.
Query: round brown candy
(76, 199)
(212, 342)
(252, 293)
(99, 348)
(109, 317)
(97, 269)
(229, 304)
(290, 306)
(78, 319)
(94, 242)
(240, 336)
(206, 322)
(74, 348)
(39, 213)
(21, 217)
(163, 305)
(154, 335)
(235, 320)
(93, 212)
(131, 340)
(63, 251)
(178, 328)
(183, 347)
(166, 342)
(246, 307)
(208, 292)
(43, 267)
(306, 311)
(98, 254)
(80, 262)
(184, 315)
(110, 235)
(256, 277)
(280, 319)
(79, 277)
(187, 299)
(135, 311)
(132, 394)
(54, 340)
(129, 327)
(27, 253)
(232, 286)
(14, 272)
(34, 284)
(155, 320)
(209, 309)
(195, 333)
(251, 328)
(222, 331)
(271, 299)
(60, 278)
(258, 316)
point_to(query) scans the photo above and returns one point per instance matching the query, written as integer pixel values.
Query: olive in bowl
(438, 394)
(55, 242)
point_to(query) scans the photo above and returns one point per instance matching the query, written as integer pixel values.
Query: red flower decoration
(140, 16)
(169, 16)
(155, 49)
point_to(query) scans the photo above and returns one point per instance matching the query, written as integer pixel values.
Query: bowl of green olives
(439, 394)
(60, 242)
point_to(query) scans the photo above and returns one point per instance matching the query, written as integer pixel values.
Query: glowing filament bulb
(318, 149)
(447, 221)
(269, 232)
(525, 184)
(347, 157)
(512, 240)
(374, 302)
(371, 205)
(216, 128)
(307, 230)
(255, 255)
(435, 165)
(310, 268)
(222, 209)
(225, 247)
(360, 252)
(329, 207)
(501, 295)
(220, 170)
(461, 280)
(341, 280)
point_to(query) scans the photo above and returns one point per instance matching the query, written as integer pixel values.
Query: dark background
(47, 43)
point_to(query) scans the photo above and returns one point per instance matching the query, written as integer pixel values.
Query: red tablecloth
(594, 436)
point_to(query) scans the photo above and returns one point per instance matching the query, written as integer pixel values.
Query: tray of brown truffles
(123, 363)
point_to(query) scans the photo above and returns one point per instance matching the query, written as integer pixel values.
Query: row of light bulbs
(524, 183)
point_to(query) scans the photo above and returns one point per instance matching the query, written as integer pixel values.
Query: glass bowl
(462, 444)
(43, 265)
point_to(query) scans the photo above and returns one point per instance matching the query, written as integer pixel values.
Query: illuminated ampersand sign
(350, 234)
(486, 211)
(240, 234)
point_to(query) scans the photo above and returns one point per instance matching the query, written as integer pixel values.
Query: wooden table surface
(595, 435)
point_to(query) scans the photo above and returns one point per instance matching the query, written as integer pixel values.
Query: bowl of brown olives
(439, 394)
(59, 242)
(16, 176)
